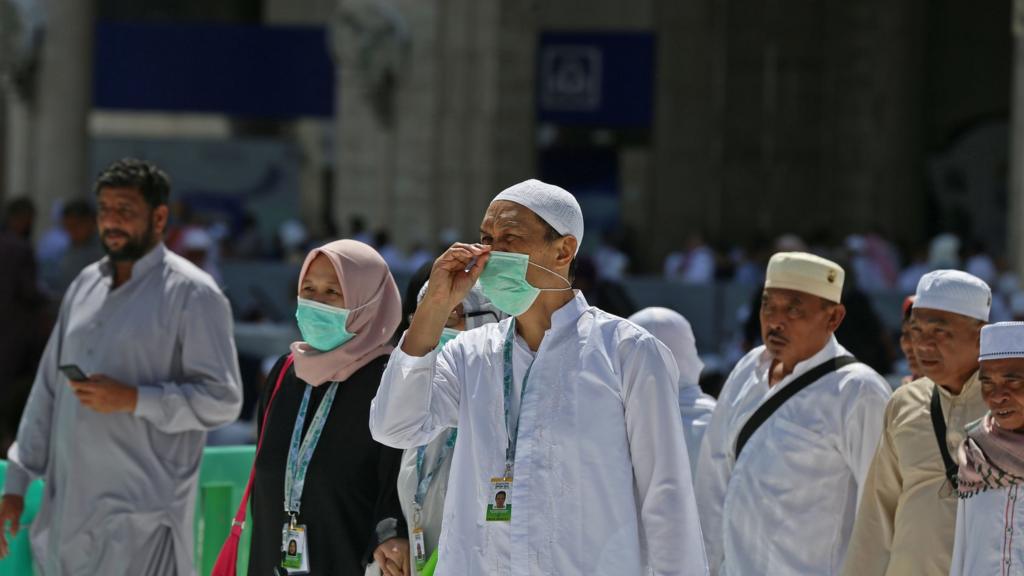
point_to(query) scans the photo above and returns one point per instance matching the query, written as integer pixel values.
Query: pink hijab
(365, 281)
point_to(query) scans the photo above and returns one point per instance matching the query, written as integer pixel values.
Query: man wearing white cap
(907, 513)
(990, 513)
(791, 438)
(695, 407)
(571, 457)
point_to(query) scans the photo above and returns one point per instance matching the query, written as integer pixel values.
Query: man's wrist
(425, 330)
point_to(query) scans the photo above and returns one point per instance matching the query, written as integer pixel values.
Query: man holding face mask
(559, 407)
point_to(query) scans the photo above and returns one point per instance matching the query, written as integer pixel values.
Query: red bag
(227, 560)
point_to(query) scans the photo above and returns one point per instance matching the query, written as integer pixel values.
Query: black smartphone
(73, 372)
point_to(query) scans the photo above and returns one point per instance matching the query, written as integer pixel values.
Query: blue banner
(251, 71)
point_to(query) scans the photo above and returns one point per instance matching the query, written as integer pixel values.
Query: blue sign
(598, 79)
(255, 71)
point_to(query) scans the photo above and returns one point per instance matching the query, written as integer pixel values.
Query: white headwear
(954, 291)
(475, 301)
(1002, 340)
(554, 205)
(806, 273)
(675, 332)
(196, 239)
(944, 251)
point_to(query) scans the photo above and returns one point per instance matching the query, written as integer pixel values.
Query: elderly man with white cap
(990, 513)
(907, 513)
(571, 457)
(791, 438)
(695, 407)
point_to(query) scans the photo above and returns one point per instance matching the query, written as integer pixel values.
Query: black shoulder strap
(939, 425)
(775, 402)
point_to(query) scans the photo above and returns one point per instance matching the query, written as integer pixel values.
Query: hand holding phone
(73, 373)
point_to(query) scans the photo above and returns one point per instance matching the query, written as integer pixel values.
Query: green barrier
(223, 475)
(19, 561)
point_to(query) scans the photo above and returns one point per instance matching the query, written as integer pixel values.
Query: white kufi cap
(675, 332)
(954, 291)
(554, 205)
(1002, 340)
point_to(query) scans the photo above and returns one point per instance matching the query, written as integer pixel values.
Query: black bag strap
(939, 425)
(766, 410)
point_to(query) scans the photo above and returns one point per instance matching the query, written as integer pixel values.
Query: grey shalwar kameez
(120, 488)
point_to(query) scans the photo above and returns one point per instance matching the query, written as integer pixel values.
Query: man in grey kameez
(120, 452)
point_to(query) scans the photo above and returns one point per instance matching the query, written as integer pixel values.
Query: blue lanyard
(301, 451)
(512, 428)
(423, 481)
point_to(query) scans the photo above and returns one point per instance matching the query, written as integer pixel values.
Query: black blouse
(351, 484)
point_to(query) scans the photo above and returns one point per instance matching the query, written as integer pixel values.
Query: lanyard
(423, 481)
(301, 450)
(512, 428)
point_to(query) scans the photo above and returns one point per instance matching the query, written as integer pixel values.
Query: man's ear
(160, 215)
(567, 250)
(836, 318)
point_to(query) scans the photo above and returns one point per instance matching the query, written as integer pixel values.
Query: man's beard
(134, 247)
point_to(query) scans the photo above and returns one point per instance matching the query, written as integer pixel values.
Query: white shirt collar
(830, 350)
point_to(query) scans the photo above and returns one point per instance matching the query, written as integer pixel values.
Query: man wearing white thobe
(786, 505)
(600, 473)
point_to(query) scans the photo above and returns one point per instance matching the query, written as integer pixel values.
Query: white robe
(602, 483)
(695, 408)
(787, 506)
(433, 501)
(990, 534)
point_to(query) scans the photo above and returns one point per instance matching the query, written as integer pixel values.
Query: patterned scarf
(990, 458)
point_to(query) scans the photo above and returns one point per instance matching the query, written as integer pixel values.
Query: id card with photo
(419, 549)
(499, 508)
(294, 553)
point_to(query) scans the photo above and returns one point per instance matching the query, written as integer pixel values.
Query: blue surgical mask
(322, 326)
(447, 335)
(503, 282)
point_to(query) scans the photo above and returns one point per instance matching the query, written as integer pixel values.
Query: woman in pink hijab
(324, 500)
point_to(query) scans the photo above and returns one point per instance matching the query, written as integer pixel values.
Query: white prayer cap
(1002, 340)
(805, 272)
(954, 291)
(675, 332)
(554, 205)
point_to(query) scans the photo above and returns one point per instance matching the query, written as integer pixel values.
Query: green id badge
(294, 553)
(499, 508)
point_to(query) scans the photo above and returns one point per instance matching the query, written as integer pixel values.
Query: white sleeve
(418, 397)
(960, 543)
(863, 423)
(661, 467)
(714, 467)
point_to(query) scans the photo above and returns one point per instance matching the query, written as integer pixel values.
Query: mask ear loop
(560, 277)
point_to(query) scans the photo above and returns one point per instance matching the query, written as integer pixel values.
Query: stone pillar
(1015, 214)
(60, 153)
(434, 112)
